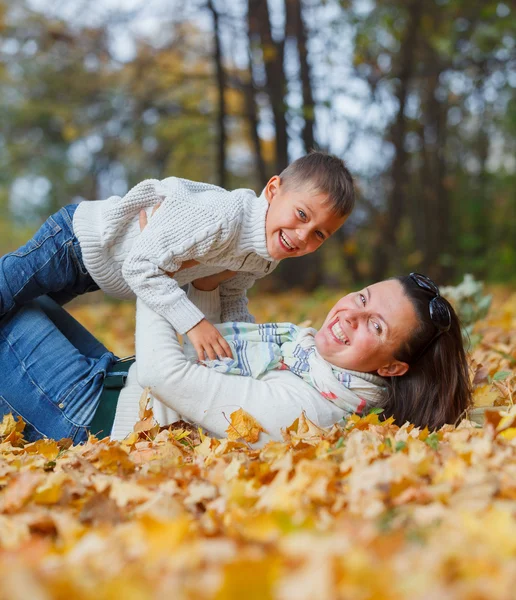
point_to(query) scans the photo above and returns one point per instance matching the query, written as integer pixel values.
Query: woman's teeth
(285, 241)
(336, 329)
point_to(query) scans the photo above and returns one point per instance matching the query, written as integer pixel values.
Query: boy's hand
(212, 282)
(206, 339)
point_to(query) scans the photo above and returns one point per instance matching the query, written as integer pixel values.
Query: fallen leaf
(243, 426)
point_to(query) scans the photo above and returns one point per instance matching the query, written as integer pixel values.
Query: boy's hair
(327, 174)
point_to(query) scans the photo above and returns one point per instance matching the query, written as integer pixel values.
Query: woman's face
(364, 330)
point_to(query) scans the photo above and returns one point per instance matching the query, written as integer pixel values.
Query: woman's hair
(436, 389)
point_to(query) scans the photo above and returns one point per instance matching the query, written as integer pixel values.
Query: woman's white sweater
(204, 396)
(196, 221)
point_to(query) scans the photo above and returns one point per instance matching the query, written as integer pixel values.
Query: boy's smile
(298, 220)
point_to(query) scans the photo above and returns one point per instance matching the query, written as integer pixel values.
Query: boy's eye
(362, 299)
(302, 214)
(320, 235)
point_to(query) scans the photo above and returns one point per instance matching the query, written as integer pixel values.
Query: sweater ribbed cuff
(207, 302)
(184, 315)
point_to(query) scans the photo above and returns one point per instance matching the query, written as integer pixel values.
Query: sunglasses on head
(438, 308)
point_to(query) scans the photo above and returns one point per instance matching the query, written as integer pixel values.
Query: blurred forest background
(418, 96)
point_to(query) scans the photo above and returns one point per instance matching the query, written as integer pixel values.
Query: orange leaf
(244, 426)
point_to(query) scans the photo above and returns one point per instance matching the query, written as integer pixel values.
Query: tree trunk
(249, 91)
(273, 53)
(221, 88)
(296, 28)
(386, 253)
(305, 272)
(437, 215)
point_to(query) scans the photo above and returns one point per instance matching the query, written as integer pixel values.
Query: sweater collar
(253, 237)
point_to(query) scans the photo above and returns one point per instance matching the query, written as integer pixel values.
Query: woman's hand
(212, 282)
(142, 217)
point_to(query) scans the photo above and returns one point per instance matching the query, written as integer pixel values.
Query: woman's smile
(335, 329)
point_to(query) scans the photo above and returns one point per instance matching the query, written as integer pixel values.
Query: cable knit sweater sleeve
(163, 246)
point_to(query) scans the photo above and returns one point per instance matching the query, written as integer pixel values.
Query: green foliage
(78, 121)
(433, 441)
(470, 303)
(501, 375)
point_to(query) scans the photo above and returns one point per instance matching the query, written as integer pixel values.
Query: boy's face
(298, 221)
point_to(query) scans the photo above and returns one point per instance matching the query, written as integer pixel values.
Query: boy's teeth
(284, 240)
(338, 333)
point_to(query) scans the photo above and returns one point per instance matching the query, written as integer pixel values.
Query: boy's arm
(233, 297)
(180, 231)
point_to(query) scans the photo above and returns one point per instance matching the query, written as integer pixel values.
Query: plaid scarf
(261, 348)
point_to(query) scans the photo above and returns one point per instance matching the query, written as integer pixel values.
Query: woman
(399, 339)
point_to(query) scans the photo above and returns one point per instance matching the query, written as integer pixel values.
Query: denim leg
(49, 263)
(74, 332)
(46, 379)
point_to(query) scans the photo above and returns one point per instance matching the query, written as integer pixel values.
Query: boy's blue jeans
(48, 264)
(52, 371)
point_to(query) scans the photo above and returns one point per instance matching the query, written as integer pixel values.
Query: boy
(199, 229)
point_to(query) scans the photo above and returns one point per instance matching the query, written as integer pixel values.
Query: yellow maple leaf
(51, 490)
(485, 395)
(9, 424)
(243, 426)
(250, 579)
(47, 448)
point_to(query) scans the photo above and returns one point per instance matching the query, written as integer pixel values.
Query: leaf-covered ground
(364, 510)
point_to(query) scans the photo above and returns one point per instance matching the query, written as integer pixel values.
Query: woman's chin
(325, 350)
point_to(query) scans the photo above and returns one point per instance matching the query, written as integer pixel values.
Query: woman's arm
(207, 397)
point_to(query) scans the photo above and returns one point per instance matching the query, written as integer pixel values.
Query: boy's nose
(302, 236)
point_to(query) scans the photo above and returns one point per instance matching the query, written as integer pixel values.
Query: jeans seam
(82, 382)
(67, 217)
(43, 393)
(40, 268)
(79, 264)
(54, 231)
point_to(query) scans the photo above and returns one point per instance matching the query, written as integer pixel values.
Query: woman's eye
(362, 299)
(377, 327)
(302, 214)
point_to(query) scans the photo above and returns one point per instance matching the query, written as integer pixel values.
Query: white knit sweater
(219, 229)
(204, 396)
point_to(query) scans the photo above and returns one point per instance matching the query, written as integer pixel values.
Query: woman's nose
(352, 317)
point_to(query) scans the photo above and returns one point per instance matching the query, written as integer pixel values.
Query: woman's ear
(393, 369)
(272, 188)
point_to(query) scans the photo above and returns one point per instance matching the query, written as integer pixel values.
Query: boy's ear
(272, 188)
(394, 369)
